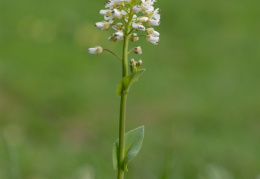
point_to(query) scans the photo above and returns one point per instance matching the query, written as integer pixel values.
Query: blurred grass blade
(14, 164)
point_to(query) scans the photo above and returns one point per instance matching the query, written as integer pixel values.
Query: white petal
(153, 23)
(136, 9)
(95, 50)
(138, 26)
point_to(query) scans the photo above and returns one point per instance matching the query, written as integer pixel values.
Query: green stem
(121, 136)
(123, 101)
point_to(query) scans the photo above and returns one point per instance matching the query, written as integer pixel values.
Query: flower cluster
(131, 19)
(141, 13)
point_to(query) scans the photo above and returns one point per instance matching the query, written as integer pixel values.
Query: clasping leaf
(127, 81)
(133, 143)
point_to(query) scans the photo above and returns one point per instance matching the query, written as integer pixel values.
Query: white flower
(105, 12)
(133, 37)
(107, 15)
(151, 31)
(142, 19)
(117, 14)
(111, 4)
(96, 50)
(116, 36)
(137, 50)
(102, 25)
(119, 35)
(154, 40)
(147, 6)
(154, 14)
(153, 23)
(138, 26)
(136, 9)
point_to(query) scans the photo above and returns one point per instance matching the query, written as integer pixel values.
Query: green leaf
(127, 81)
(133, 144)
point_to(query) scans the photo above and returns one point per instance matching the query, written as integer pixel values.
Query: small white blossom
(136, 9)
(107, 15)
(116, 36)
(154, 40)
(142, 19)
(147, 6)
(137, 50)
(117, 14)
(119, 35)
(110, 4)
(151, 31)
(153, 23)
(154, 14)
(105, 12)
(102, 25)
(138, 26)
(113, 3)
(96, 50)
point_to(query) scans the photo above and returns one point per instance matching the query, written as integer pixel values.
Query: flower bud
(139, 63)
(133, 67)
(133, 37)
(96, 50)
(112, 39)
(132, 61)
(137, 50)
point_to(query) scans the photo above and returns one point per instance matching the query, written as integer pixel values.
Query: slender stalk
(123, 101)
(121, 136)
(113, 53)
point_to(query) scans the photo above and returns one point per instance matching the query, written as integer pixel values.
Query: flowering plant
(131, 19)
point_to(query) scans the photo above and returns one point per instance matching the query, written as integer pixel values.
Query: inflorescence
(137, 16)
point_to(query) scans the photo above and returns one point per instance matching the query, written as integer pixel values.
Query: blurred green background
(198, 99)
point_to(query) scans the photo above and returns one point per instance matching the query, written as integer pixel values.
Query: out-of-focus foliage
(199, 97)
